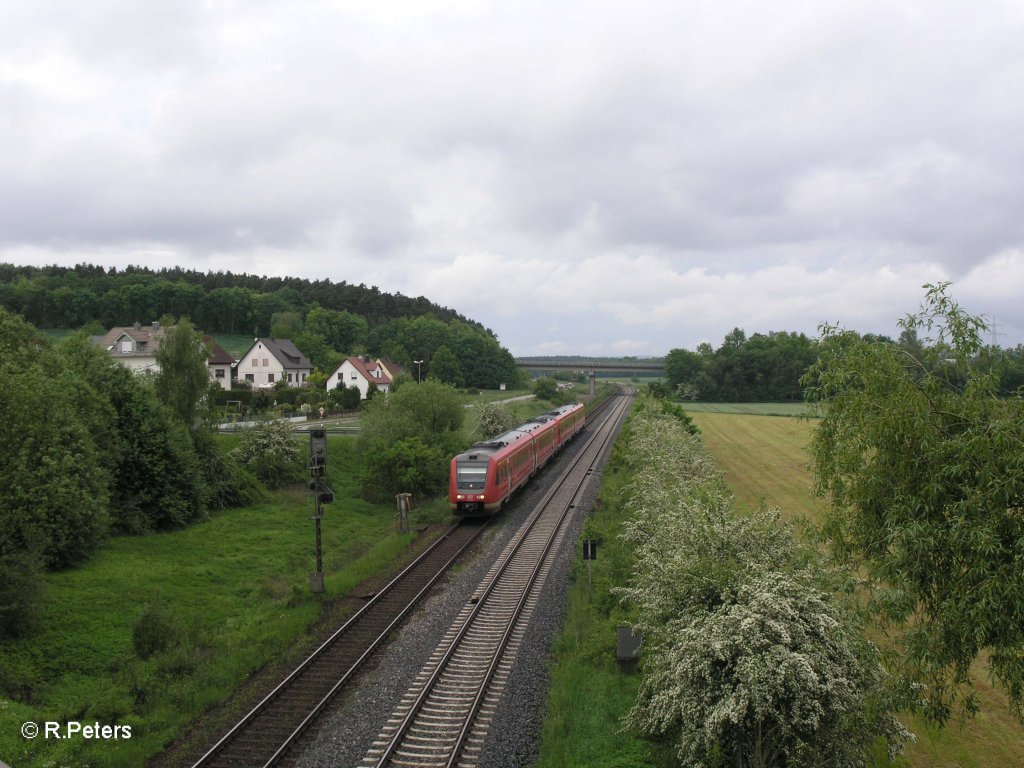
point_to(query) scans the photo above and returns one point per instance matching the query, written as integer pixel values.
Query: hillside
(326, 320)
(221, 302)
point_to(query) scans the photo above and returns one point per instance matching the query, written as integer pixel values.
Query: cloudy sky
(582, 177)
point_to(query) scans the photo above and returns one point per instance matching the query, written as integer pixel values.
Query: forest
(326, 320)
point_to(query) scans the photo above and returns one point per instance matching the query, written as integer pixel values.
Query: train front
(467, 488)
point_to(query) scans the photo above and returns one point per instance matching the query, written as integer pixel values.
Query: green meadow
(224, 598)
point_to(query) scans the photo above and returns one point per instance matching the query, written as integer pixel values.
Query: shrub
(748, 660)
(408, 466)
(20, 592)
(271, 451)
(155, 630)
(230, 484)
(493, 419)
(407, 438)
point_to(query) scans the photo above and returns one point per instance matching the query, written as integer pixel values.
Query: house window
(255, 362)
(266, 361)
(270, 378)
(218, 373)
(250, 377)
(289, 378)
(353, 375)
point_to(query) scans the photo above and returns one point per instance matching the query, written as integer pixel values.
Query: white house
(219, 363)
(136, 348)
(361, 372)
(133, 347)
(269, 361)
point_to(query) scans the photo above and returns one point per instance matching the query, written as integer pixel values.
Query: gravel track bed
(349, 730)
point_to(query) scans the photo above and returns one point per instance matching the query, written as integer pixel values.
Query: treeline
(218, 302)
(768, 367)
(327, 321)
(90, 449)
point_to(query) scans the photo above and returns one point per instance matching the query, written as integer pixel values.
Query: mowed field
(765, 460)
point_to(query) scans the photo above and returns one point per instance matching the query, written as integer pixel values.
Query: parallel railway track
(269, 730)
(267, 734)
(444, 717)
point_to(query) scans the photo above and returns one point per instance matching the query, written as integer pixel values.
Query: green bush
(20, 592)
(54, 485)
(229, 483)
(155, 630)
(408, 466)
(271, 451)
(407, 439)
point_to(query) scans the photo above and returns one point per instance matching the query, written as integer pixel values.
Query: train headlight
(459, 496)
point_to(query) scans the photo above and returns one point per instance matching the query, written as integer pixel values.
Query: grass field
(235, 344)
(765, 461)
(236, 592)
(753, 409)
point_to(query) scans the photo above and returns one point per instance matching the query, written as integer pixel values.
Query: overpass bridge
(590, 366)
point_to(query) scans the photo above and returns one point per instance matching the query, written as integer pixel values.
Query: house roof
(391, 367)
(147, 337)
(218, 355)
(365, 369)
(287, 354)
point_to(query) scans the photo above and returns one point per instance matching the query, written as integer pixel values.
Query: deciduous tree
(184, 376)
(923, 465)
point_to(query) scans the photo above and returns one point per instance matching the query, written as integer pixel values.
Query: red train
(484, 477)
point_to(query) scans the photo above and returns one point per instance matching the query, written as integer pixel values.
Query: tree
(54, 488)
(445, 368)
(285, 325)
(157, 479)
(184, 377)
(770, 678)
(681, 367)
(545, 388)
(410, 434)
(341, 330)
(922, 463)
(344, 398)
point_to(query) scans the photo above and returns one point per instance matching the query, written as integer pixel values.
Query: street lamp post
(418, 364)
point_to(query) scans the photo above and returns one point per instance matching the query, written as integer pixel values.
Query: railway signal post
(322, 494)
(590, 555)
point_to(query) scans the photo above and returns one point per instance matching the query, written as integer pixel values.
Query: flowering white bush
(747, 661)
(492, 419)
(271, 450)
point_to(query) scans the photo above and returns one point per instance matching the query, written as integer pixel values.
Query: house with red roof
(361, 372)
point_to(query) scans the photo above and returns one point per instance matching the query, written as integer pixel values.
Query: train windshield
(471, 474)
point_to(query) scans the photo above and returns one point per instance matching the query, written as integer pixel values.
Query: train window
(471, 474)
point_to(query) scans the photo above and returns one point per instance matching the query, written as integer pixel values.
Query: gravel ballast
(348, 732)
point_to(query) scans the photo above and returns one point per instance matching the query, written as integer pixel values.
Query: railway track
(272, 727)
(444, 717)
(267, 734)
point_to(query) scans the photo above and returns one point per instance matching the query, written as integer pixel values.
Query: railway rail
(443, 719)
(268, 733)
